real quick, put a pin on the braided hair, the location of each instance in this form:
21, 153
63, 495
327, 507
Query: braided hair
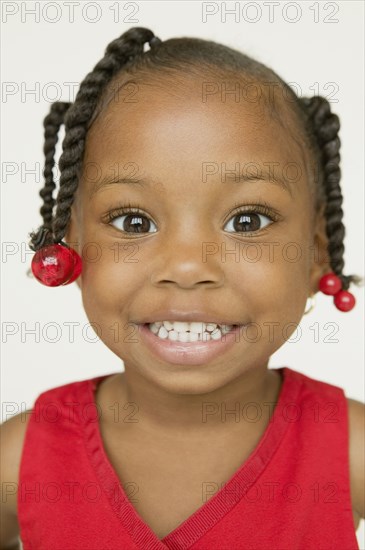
125, 54
75, 118
322, 128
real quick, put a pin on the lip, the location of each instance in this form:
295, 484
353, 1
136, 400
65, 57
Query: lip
187, 353
192, 315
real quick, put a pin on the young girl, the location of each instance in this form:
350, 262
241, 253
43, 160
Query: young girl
199, 207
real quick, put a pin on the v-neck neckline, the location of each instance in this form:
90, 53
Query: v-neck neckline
214, 509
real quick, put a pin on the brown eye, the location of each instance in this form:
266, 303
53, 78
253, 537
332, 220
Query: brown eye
247, 222
132, 223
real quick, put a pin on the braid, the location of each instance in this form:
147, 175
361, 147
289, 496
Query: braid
76, 118
324, 127
52, 124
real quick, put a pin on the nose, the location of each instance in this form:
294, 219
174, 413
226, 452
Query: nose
187, 265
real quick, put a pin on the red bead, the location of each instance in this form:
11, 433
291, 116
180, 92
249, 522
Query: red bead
330, 284
53, 265
77, 266
344, 301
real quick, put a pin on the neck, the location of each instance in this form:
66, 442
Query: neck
249, 399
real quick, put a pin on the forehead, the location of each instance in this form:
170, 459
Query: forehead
169, 123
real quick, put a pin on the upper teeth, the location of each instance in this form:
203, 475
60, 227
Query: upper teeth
193, 327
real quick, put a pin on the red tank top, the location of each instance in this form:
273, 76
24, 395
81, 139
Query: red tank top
291, 493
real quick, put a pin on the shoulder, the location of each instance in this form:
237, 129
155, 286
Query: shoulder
356, 416
12, 436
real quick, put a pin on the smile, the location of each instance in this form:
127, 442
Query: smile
177, 331
184, 343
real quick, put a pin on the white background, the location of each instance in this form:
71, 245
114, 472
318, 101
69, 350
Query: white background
37, 53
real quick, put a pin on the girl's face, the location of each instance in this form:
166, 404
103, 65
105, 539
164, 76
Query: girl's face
191, 246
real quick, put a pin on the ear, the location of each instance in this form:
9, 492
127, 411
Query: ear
72, 238
320, 263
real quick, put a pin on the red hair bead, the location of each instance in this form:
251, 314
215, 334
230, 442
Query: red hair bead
77, 266
330, 284
56, 265
344, 301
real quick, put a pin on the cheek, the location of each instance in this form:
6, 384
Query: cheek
112, 277
273, 293
272, 279
112, 274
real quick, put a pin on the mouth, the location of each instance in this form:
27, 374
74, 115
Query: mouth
192, 344
194, 331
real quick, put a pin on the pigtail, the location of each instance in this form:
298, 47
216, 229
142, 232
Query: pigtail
52, 124
325, 126
76, 118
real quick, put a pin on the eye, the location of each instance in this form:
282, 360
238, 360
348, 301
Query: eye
130, 220
249, 221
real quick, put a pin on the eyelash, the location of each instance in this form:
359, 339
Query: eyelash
262, 208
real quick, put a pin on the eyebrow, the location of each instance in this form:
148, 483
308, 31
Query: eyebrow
112, 180
264, 176
229, 176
